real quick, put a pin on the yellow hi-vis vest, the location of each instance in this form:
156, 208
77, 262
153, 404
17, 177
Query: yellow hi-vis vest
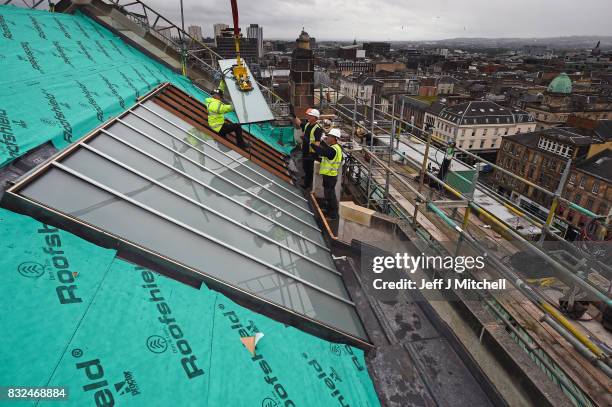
330, 167
216, 113
309, 132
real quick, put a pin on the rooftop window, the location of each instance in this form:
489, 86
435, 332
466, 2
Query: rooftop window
171, 193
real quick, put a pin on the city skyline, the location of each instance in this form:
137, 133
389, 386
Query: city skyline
435, 20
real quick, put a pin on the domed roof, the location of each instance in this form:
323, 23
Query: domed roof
561, 84
304, 36
303, 41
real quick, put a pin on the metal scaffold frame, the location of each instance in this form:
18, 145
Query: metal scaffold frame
194, 52
375, 176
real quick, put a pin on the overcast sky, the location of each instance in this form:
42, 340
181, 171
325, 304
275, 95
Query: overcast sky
401, 20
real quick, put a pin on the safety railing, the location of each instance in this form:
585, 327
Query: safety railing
370, 118
34, 4
194, 53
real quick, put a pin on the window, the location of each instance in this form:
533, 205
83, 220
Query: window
484, 132
582, 182
595, 187
603, 209
482, 143
589, 204
530, 172
572, 178
577, 199
132, 159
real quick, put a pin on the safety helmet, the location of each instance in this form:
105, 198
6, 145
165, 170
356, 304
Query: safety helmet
313, 112
334, 133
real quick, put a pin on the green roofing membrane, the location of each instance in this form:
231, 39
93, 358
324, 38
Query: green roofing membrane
63, 75
117, 334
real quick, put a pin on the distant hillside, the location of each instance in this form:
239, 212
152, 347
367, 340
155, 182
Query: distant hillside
571, 42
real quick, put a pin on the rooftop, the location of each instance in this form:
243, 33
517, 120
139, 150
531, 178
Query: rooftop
561, 84
566, 135
600, 165
483, 112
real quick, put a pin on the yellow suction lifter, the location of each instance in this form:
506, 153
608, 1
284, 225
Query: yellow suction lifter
239, 71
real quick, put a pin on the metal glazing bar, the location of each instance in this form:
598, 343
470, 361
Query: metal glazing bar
216, 160
210, 145
196, 231
192, 178
205, 207
217, 175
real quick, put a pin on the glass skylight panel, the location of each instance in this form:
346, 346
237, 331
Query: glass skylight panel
152, 181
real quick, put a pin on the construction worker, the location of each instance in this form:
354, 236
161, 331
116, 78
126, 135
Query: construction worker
448, 157
331, 159
216, 118
312, 133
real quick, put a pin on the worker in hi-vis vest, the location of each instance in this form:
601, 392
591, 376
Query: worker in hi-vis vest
312, 133
448, 157
331, 159
216, 118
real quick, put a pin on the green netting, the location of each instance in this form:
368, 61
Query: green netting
63, 75
138, 338
461, 180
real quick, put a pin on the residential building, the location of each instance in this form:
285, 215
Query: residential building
478, 126
348, 67
590, 186
374, 49
217, 28
445, 85
226, 46
390, 66
195, 31
352, 52
559, 102
427, 87
361, 87
541, 157
255, 31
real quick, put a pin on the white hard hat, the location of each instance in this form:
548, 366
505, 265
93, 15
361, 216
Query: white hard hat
335, 133
313, 112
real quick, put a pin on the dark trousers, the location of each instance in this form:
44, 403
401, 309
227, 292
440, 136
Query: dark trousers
232, 127
329, 192
444, 169
308, 166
